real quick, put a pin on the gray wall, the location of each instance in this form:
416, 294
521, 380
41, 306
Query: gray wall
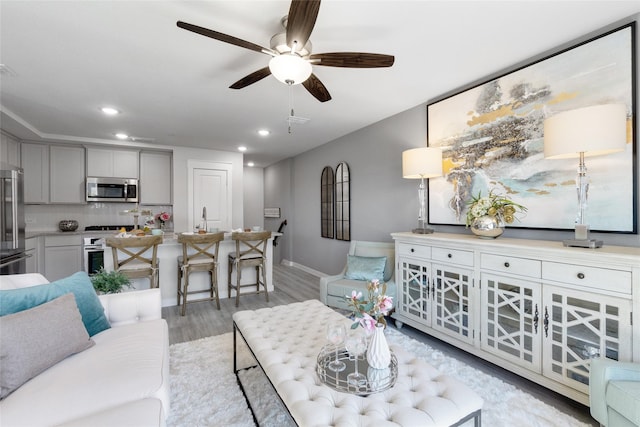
253, 197
277, 184
382, 201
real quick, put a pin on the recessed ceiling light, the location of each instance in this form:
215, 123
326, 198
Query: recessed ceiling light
263, 132
122, 136
110, 111
242, 148
251, 164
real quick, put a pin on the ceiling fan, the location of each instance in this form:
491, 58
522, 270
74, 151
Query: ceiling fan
292, 60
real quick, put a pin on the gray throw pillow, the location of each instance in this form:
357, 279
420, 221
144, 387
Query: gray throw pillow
33, 340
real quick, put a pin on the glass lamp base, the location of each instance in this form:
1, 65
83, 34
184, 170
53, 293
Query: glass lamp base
583, 243
422, 230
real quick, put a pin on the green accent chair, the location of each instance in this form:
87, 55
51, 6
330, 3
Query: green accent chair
614, 392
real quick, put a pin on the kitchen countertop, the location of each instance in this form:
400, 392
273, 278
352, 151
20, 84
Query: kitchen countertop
169, 236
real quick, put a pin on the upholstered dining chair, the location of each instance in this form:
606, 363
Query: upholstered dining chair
199, 253
251, 251
132, 258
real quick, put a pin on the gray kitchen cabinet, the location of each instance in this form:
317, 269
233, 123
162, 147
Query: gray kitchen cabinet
155, 178
53, 173
62, 256
35, 162
9, 149
67, 174
112, 163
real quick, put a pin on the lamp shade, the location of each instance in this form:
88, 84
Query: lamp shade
290, 68
595, 130
424, 162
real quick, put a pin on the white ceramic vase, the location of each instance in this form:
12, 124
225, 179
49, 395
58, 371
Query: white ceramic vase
378, 353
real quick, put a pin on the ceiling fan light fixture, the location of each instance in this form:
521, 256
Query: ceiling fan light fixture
290, 68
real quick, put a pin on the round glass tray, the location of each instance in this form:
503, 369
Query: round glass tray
377, 379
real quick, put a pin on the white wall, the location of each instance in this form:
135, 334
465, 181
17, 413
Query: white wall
253, 197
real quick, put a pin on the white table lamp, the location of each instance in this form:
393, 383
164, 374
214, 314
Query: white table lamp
421, 163
589, 131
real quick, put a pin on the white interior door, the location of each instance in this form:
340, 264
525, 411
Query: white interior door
210, 188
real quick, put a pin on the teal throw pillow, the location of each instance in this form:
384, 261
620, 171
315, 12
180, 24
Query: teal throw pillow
16, 300
365, 268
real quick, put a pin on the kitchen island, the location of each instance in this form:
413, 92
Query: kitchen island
168, 253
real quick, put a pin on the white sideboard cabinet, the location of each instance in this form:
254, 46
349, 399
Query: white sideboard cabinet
534, 307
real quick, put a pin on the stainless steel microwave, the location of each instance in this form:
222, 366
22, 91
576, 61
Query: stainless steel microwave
112, 190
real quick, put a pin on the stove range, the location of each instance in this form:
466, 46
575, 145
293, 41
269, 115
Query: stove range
108, 227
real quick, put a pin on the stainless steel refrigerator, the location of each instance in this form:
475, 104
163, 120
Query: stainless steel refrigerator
12, 255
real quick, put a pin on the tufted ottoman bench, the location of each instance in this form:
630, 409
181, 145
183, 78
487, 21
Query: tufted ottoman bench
286, 340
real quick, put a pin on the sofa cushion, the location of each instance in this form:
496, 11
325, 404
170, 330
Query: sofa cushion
128, 363
365, 268
141, 413
15, 300
624, 398
33, 340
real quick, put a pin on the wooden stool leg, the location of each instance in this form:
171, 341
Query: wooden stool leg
214, 282
185, 290
264, 282
229, 278
179, 284
238, 278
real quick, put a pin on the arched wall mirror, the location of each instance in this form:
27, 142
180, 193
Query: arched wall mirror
343, 205
327, 206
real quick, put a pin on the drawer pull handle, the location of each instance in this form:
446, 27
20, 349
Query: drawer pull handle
413, 250
536, 318
506, 264
449, 256
580, 275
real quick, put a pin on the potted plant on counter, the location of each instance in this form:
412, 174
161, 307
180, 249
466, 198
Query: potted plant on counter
109, 282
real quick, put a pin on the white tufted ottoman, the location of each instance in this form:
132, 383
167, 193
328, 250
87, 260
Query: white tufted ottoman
286, 340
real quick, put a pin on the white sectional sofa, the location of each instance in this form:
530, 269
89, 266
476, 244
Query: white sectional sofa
122, 380
363, 258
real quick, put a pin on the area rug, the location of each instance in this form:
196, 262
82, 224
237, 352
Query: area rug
204, 391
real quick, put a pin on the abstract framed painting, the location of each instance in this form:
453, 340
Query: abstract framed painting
491, 135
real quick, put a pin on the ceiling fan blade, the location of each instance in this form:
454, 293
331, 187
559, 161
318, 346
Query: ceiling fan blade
352, 60
300, 21
251, 78
316, 88
222, 37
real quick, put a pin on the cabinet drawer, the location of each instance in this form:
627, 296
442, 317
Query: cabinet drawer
407, 249
62, 240
592, 277
453, 255
508, 264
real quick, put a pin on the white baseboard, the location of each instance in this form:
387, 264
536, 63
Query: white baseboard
303, 268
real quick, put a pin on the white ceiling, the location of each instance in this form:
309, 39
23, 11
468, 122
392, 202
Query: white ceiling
68, 58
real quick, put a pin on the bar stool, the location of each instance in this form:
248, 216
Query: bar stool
199, 253
135, 263
251, 251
